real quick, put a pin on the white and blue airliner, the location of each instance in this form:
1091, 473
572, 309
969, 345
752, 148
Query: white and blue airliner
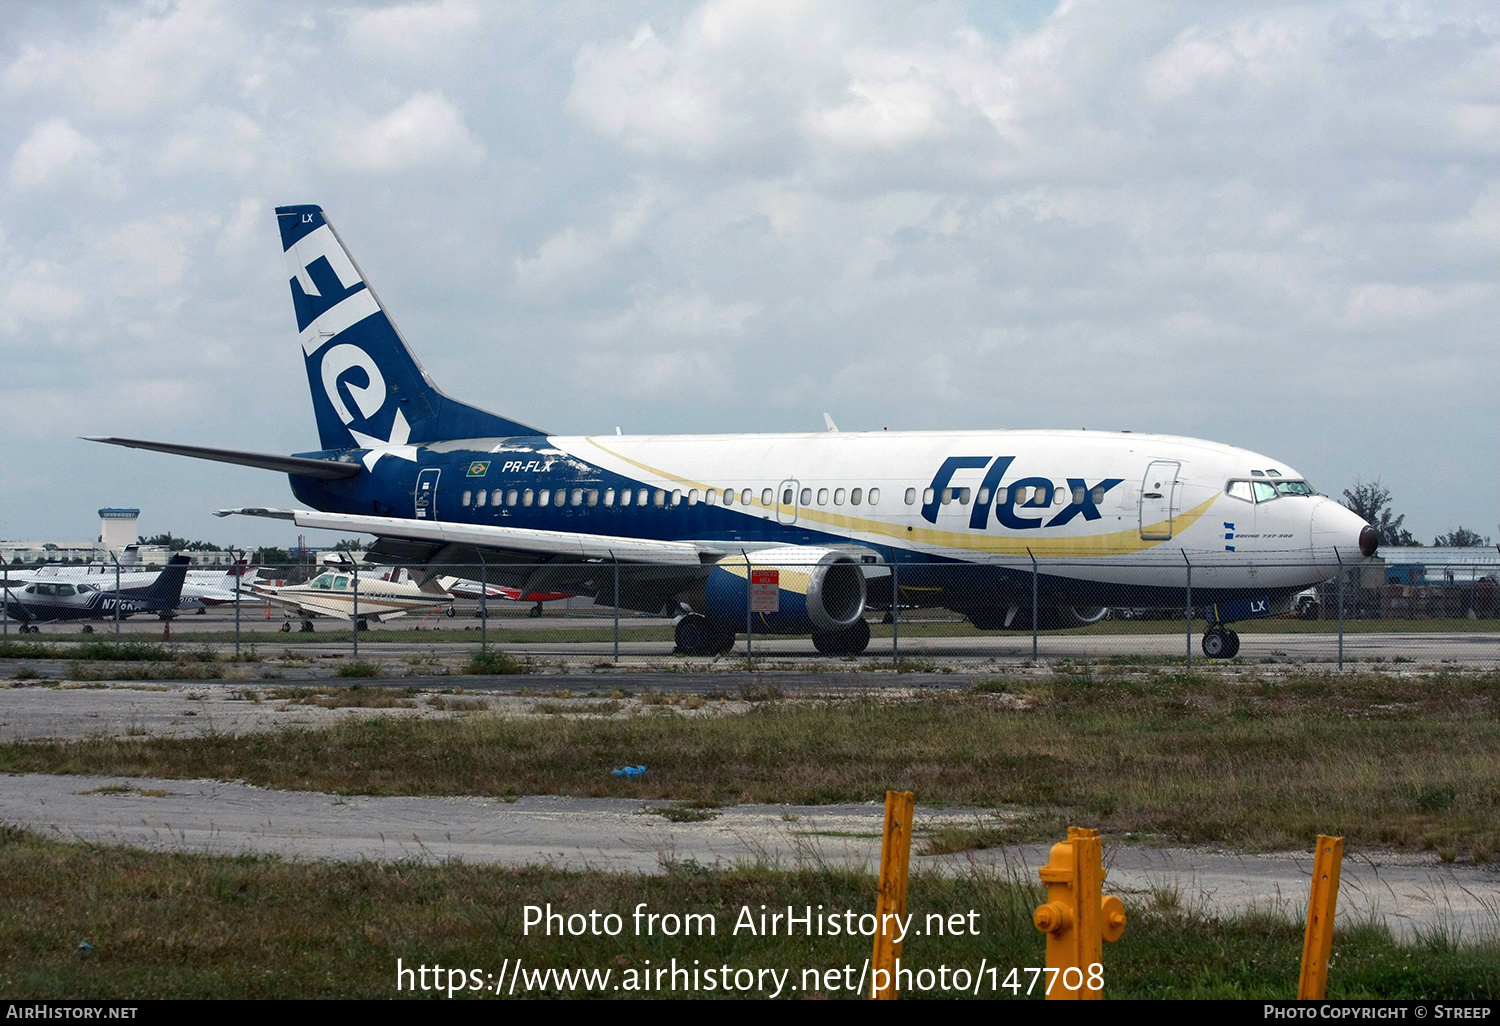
964, 518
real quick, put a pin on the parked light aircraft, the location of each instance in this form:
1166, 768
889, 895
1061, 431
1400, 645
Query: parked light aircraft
50, 599
201, 590
963, 517
374, 596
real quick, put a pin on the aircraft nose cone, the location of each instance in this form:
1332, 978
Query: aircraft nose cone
1369, 541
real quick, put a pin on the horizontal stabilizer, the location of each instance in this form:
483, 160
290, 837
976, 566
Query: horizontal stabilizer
325, 470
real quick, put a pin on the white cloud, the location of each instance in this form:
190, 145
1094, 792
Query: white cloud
139, 60
213, 139
39, 294
425, 130
417, 32
147, 255
53, 155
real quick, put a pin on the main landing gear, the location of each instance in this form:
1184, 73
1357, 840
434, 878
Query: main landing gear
850, 641
1219, 642
696, 635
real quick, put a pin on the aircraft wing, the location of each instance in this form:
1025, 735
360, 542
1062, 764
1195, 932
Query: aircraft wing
565, 545
649, 571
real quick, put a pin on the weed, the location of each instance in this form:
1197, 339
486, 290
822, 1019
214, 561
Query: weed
361, 668
492, 661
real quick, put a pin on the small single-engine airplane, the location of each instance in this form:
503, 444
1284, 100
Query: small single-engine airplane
345, 594
1011, 528
56, 598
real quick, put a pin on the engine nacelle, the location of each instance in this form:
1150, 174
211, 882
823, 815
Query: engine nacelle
821, 591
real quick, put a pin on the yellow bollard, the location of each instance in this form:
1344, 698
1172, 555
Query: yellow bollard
1077, 918
1317, 944
895, 856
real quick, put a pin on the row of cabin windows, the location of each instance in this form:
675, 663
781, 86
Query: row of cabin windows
1024, 496
661, 497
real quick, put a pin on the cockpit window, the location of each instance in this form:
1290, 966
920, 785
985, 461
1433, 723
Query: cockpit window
324, 582
1265, 491
1239, 490
1294, 488
342, 584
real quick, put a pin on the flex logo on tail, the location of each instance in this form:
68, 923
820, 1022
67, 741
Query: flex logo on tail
336, 312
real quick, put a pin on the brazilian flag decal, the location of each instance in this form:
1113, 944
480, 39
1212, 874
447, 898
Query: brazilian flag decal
479, 468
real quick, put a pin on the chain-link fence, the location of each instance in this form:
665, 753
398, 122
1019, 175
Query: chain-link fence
1188, 609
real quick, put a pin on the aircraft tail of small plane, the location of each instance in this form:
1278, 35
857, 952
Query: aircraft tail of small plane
166, 591
368, 389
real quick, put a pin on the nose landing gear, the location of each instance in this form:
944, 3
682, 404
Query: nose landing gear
1219, 642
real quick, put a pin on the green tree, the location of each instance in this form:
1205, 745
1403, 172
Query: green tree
269, 555
350, 545
1461, 538
1373, 502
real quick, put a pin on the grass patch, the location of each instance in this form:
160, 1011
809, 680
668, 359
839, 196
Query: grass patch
165, 926
361, 668
352, 697
492, 661
1263, 763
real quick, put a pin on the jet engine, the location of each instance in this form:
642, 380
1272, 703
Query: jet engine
822, 591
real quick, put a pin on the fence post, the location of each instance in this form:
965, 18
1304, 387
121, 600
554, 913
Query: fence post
895, 613
749, 619
617, 606
355, 623
1341, 606
1317, 943
1034, 611
117, 595
484, 605
237, 577
895, 856
1189, 563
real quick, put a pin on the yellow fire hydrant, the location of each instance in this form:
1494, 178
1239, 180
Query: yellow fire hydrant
1077, 918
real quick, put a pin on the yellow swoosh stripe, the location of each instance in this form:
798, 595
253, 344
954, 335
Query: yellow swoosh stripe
1115, 543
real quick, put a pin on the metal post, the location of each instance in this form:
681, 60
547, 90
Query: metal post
356, 610
1341, 607
617, 607
5, 606
239, 574
1189, 563
117, 596
895, 613
484, 604
749, 619
1034, 657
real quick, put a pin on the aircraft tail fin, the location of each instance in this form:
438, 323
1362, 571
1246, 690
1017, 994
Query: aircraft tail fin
166, 591
367, 387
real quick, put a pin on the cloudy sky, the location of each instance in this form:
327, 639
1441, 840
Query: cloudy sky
1275, 226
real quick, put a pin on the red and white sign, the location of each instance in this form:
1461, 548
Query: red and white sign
765, 591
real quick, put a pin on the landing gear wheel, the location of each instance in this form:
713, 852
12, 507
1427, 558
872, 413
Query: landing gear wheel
286, 626
695, 635
88, 628
1221, 643
536, 611
307, 627
848, 642
451, 612
361, 625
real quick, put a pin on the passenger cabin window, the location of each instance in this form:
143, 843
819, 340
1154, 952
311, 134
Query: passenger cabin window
341, 584
640, 497
874, 496
729, 496
527, 497
927, 496
984, 496
65, 590
625, 497
855, 495
676, 496
692, 496
593, 496
806, 496
1078, 491
1098, 495
948, 494
660, 498
911, 496
510, 498
822, 496
1265, 491
838, 496
578, 496
765, 497
1239, 490
468, 496
544, 497
609, 496
481, 498
711, 496
561, 497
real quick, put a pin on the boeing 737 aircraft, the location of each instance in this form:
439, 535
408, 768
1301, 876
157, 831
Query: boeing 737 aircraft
963, 517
